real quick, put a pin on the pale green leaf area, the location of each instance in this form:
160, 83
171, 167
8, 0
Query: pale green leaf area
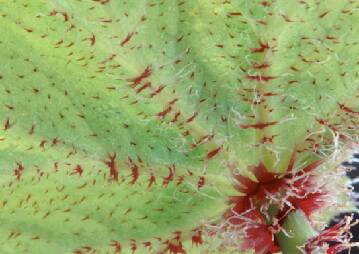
65, 213
164, 83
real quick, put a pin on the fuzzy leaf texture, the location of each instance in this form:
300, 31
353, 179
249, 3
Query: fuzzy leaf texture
122, 120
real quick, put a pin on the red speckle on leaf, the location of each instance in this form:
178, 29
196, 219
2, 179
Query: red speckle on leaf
176, 116
84, 250
152, 180
53, 13
147, 245
169, 177
180, 180
127, 39
77, 170
262, 22
186, 133
260, 78
55, 141
110, 58
59, 42
234, 14
261, 66
157, 91
128, 211
18, 170
265, 3
56, 166
32, 130
133, 246
174, 246
134, 169
197, 237
111, 163
7, 124
117, 246
201, 182
258, 125
102, 1
64, 14
190, 119
163, 113
173, 101
286, 18
263, 47
203, 139
270, 94
323, 14
145, 74
139, 159
69, 45
328, 37
93, 40
42, 144
293, 81
104, 20
347, 109
268, 140
9, 107
213, 153
143, 87
167, 110
179, 39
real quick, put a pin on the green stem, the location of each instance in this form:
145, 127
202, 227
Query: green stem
298, 231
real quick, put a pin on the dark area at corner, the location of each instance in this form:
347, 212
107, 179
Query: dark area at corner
353, 173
